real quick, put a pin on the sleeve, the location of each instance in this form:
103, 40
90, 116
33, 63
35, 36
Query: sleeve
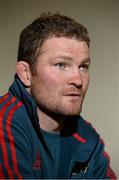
15, 148
102, 169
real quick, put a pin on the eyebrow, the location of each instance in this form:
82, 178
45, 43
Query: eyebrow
68, 58
87, 60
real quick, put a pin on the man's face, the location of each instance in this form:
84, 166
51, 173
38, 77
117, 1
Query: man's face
62, 76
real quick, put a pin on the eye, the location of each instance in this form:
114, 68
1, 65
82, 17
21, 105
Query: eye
84, 67
61, 65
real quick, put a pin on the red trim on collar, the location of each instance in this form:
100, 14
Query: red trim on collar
79, 138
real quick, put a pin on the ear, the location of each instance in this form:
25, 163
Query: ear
24, 72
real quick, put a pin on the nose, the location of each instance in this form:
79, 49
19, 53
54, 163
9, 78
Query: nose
76, 79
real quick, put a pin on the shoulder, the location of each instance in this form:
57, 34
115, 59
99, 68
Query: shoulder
8, 106
92, 151
87, 137
14, 120
87, 130
11, 108
18, 147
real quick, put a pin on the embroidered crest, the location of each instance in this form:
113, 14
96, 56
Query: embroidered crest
37, 163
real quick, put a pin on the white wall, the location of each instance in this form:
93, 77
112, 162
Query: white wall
101, 17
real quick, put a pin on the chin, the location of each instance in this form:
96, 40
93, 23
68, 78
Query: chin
73, 112
73, 109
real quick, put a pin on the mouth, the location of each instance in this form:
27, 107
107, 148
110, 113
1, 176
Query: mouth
73, 94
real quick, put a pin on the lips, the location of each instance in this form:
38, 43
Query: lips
73, 94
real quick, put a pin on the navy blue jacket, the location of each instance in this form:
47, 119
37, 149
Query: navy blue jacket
24, 153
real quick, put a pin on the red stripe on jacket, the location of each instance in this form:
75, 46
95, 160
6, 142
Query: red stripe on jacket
11, 139
109, 172
3, 98
2, 140
1, 173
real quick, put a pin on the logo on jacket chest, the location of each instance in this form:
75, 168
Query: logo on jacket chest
37, 163
80, 167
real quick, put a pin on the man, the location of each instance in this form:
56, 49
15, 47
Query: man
42, 132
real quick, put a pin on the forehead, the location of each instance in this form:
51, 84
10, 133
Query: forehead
64, 45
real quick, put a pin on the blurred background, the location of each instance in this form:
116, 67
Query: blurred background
101, 17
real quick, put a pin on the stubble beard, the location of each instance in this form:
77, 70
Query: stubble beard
51, 106
62, 109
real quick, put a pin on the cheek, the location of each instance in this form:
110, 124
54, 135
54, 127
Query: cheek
48, 82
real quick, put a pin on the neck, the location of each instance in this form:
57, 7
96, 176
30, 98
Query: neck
50, 123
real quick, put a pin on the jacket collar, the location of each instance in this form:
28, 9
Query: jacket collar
18, 89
